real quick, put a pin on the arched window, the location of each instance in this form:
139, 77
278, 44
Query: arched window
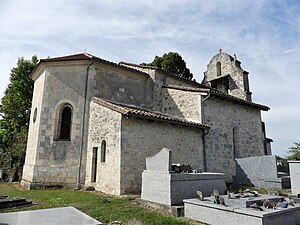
218, 69
103, 151
65, 123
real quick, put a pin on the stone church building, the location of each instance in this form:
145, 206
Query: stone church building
94, 122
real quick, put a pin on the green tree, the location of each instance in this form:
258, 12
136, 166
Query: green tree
294, 152
173, 63
16, 102
15, 110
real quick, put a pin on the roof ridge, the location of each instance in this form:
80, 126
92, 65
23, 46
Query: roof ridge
67, 56
88, 54
139, 65
160, 69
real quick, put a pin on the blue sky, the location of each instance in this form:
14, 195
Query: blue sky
264, 34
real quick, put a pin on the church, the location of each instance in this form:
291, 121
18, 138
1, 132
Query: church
94, 122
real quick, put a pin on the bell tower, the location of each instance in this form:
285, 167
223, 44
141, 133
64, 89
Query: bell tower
225, 74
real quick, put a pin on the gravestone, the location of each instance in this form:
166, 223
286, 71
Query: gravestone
160, 161
295, 176
55, 216
242, 209
163, 186
258, 171
7, 202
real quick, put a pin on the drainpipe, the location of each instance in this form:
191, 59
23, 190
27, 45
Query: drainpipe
83, 124
204, 134
206, 97
204, 150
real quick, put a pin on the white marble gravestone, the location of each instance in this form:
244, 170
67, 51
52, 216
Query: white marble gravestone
295, 176
54, 216
163, 186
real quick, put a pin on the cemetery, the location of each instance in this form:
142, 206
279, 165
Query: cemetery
203, 193
190, 192
110, 141
244, 209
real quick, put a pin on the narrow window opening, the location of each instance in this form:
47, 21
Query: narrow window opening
218, 69
263, 126
234, 142
34, 114
65, 122
94, 164
103, 151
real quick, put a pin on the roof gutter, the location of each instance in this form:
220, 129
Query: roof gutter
209, 93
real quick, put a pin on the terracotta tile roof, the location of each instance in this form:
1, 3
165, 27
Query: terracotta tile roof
140, 66
202, 88
159, 69
80, 56
86, 56
221, 94
215, 92
124, 65
134, 111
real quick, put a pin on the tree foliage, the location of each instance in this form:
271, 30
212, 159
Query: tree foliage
15, 110
294, 152
173, 63
16, 103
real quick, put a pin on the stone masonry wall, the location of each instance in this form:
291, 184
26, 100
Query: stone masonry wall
51, 161
34, 128
157, 90
236, 132
180, 103
120, 86
143, 138
105, 124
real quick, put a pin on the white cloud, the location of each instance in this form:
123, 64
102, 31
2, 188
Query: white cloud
264, 34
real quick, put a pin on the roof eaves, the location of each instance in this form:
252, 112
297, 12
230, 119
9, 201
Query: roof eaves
221, 94
183, 122
269, 140
133, 111
202, 88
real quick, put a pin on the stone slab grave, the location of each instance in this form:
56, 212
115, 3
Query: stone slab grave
54, 216
163, 186
260, 171
295, 179
7, 202
243, 210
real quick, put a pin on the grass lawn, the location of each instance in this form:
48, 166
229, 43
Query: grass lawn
101, 207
